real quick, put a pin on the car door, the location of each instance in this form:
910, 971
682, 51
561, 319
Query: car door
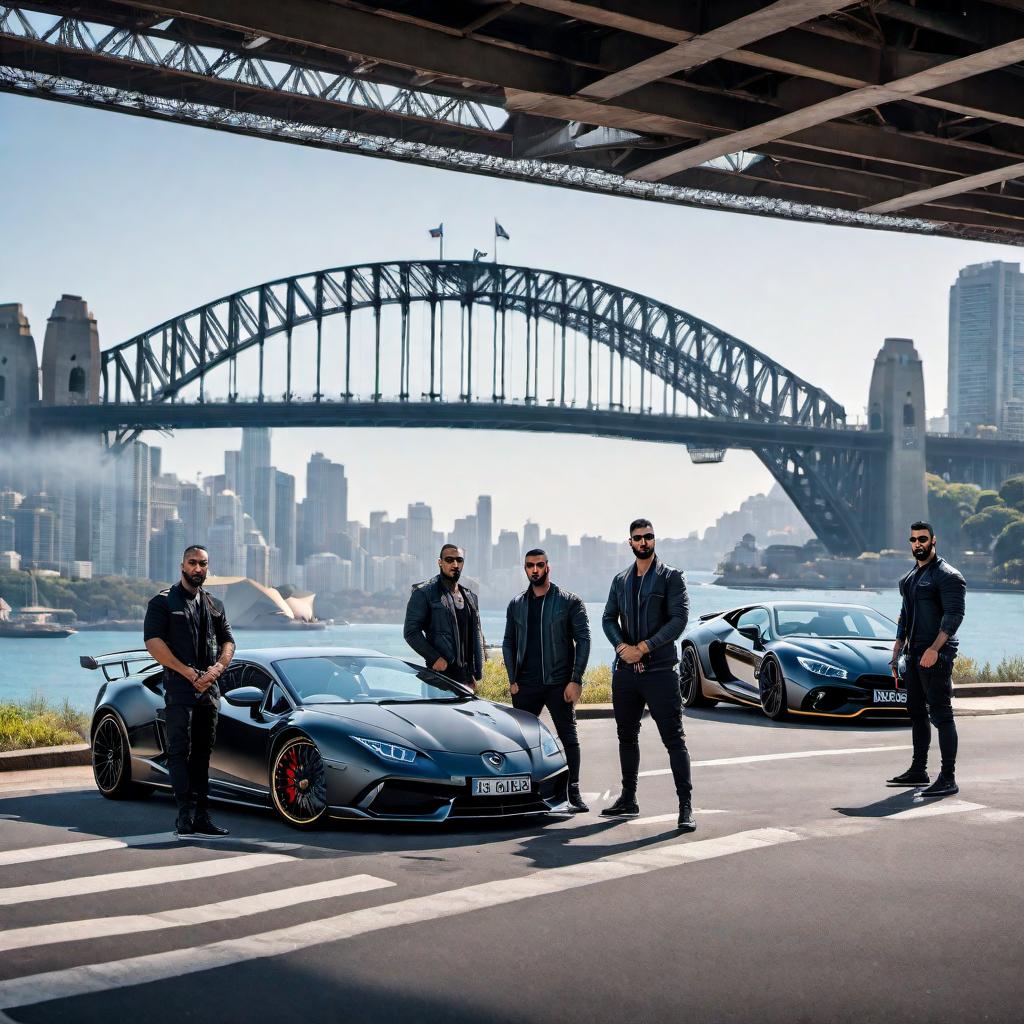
742, 654
239, 759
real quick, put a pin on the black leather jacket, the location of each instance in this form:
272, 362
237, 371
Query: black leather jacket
938, 604
167, 620
664, 609
565, 640
432, 630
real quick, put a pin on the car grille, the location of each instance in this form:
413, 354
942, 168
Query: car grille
410, 799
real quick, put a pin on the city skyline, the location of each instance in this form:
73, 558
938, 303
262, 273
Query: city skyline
795, 291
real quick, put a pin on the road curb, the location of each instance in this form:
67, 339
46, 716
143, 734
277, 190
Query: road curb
44, 757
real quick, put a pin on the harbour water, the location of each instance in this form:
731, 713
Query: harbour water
993, 629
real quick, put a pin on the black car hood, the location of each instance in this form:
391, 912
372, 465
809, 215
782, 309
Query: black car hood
467, 728
858, 657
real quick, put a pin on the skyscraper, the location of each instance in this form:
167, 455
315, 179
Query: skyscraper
484, 533
420, 536
325, 507
132, 511
284, 523
264, 502
986, 349
255, 456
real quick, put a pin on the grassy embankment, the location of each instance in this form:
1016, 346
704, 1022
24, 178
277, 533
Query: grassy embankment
37, 723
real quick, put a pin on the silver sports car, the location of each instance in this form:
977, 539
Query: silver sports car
333, 732
790, 658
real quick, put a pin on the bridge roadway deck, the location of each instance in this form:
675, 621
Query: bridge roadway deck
540, 417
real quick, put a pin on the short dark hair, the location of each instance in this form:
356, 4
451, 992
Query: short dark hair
536, 552
922, 525
640, 522
445, 547
191, 548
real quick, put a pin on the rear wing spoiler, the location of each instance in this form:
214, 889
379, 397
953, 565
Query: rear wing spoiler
710, 615
117, 665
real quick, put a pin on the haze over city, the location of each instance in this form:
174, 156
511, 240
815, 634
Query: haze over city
219, 213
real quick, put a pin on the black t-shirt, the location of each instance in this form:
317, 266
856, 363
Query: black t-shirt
918, 635
531, 673
462, 618
195, 610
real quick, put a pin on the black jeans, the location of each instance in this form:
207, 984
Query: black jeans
563, 715
929, 691
191, 732
659, 691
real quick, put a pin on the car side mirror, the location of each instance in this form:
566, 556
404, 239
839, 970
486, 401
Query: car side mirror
245, 697
752, 633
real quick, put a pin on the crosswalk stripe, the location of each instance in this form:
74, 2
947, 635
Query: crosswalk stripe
246, 906
935, 809
787, 756
138, 878
657, 819
32, 854
101, 977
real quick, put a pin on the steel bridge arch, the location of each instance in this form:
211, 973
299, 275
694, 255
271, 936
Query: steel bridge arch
684, 355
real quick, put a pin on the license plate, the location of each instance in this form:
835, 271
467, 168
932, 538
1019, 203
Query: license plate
501, 787
890, 696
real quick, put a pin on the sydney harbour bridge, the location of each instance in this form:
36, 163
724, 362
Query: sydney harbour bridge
458, 344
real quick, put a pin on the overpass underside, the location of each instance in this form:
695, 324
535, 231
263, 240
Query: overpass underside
895, 115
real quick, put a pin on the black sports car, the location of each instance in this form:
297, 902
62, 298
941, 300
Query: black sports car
827, 660
333, 732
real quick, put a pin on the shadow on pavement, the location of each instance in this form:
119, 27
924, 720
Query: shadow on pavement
901, 801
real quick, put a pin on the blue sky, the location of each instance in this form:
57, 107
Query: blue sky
146, 220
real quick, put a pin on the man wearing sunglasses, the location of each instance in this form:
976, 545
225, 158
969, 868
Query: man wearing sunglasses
442, 622
934, 596
546, 647
645, 615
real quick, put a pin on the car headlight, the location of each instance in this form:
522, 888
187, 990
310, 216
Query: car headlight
823, 668
388, 751
548, 744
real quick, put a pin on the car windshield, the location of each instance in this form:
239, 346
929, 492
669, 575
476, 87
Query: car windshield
836, 621
350, 679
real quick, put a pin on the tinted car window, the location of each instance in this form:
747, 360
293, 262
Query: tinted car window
835, 621
754, 617
341, 679
276, 702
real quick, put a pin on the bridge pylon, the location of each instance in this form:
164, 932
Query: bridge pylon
896, 490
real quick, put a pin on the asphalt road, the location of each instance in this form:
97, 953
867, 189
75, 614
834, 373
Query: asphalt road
810, 892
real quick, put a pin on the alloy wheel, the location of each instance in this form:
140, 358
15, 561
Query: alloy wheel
108, 756
299, 783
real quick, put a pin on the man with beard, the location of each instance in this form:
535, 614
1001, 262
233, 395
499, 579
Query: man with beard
187, 632
546, 647
442, 622
645, 615
934, 597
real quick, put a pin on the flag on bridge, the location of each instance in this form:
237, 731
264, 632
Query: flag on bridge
478, 255
438, 232
500, 232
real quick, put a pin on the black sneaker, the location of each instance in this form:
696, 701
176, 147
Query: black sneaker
183, 827
911, 777
576, 802
944, 785
686, 822
624, 807
205, 829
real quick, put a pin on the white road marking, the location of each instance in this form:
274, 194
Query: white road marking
590, 797
137, 879
115, 974
657, 819
752, 758
31, 854
931, 810
260, 903
997, 815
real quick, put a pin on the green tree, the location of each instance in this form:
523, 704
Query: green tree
983, 528
948, 506
1009, 546
1012, 491
986, 500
